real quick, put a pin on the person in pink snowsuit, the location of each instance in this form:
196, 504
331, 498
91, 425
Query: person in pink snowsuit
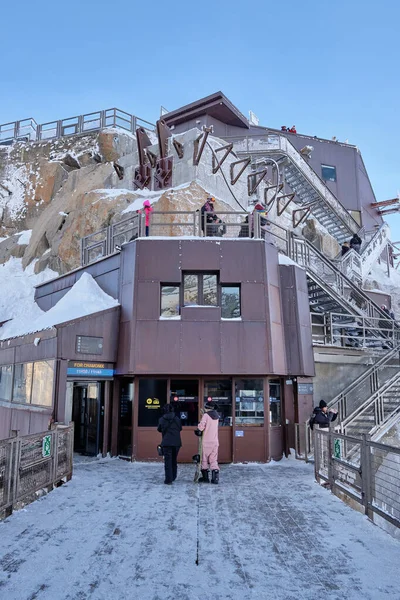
147, 211
209, 459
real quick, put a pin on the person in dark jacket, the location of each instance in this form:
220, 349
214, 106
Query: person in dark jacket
323, 416
170, 427
345, 248
355, 243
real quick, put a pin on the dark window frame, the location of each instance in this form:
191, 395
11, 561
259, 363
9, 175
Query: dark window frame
176, 285
231, 285
323, 166
200, 289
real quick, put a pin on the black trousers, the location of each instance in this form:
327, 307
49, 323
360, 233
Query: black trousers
170, 462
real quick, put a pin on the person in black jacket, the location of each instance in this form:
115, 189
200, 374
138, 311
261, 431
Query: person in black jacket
345, 248
323, 416
355, 243
170, 427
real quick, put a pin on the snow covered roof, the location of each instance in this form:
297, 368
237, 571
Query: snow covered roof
83, 299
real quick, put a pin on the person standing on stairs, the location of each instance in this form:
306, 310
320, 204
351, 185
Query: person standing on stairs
345, 248
208, 428
355, 243
322, 416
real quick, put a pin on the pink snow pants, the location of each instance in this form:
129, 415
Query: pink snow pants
210, 457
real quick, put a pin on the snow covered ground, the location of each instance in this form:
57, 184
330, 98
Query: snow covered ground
267, 531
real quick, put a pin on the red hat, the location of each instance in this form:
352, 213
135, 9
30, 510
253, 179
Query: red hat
259, 207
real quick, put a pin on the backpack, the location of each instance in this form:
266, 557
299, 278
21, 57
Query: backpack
311, 422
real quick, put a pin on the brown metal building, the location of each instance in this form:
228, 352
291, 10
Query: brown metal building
199, 318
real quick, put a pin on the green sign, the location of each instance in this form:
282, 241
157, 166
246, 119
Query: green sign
46, 446
336, 448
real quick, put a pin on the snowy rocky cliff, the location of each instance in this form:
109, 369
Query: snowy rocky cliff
53, 193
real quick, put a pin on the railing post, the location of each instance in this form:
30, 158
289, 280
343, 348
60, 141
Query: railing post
331, 328
316, 454
331, 475
366, 476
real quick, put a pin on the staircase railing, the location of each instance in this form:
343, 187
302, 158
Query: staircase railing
349, 399
318, 184
275, 143
306, 255
357, 266
375, 402
347, 330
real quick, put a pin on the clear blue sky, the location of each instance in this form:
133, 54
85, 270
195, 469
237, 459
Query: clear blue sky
332, 68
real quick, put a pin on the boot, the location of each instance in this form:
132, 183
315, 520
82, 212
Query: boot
215, 476
205, 476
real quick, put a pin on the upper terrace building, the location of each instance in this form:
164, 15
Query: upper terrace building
256, 316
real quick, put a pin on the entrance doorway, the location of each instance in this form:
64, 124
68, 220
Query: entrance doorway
87, 414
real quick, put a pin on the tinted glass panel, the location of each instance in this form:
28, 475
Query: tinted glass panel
249, 401
230, 302
42, 388
152, 397
275, 402
185, 398
220, 391
190, 290
328, 173
6, 382
170, 300
22, 383
209, 290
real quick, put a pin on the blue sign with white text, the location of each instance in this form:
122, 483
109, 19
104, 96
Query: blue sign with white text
90, 372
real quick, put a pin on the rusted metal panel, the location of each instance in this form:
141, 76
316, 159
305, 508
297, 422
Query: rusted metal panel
250, 446
28, 352
271, 260
244, 348
7, 355
5, 422
201, 313
242, 261
253, 301
158, 260
104, 324
274, 303
204, 255
148, 300
125, 361
276, 443
296, 318
277, 344
20, 421
157, 347
200, 348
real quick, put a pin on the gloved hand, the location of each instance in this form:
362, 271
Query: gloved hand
198, 432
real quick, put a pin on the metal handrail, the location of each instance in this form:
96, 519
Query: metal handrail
375, 398
110, 117
281, 143
340, 400
361, 329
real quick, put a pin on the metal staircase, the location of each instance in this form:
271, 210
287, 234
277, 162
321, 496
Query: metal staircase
311, 191
358, 266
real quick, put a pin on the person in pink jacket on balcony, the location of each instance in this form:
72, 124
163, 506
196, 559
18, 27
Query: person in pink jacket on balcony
208, 429
147, 211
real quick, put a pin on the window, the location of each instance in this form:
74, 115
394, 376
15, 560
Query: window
170, 301
230, 302
249, 401
275, 403
152, 398
42, 388
22, 383
220, 391
6, 373
184, 396
200, 289
328, 173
